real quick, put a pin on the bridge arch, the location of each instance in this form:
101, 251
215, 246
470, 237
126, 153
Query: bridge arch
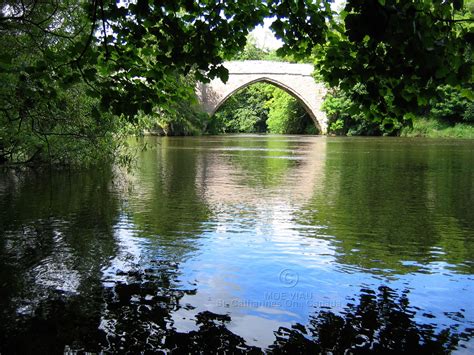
278, 84
295, 79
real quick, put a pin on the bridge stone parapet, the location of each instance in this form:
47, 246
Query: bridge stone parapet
294, 78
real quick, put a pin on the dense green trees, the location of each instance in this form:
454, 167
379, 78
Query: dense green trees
345, 116
287, 116
390, 59
245, 111
447, 108
399, 51
451, 105
261, 108
74, 74
47, 112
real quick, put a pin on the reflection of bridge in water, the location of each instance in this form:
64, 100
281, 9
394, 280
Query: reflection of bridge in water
305, 175
296, 79
233, 176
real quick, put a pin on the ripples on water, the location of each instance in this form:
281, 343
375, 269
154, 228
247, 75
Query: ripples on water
244, 244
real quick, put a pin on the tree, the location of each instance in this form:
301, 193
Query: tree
287, 116
49, 111
251, 51
451, 105
244, 112
400, 51
125, 56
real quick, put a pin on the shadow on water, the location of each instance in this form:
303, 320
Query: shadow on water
134, 316
379, 321
56, 233
87, 268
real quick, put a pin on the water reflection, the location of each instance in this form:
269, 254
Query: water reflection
379, 321
245, 171
52, 247
387, 203
244, 244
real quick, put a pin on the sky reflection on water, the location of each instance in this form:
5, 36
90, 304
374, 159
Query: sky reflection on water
260, 241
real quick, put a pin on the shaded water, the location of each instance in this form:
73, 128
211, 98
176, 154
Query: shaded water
244, 243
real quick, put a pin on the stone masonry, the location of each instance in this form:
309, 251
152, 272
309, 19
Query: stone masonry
295, 79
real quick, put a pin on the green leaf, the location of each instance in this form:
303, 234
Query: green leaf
409, 116
467, 93
223, 74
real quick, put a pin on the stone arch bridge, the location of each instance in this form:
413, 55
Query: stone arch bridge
295, 79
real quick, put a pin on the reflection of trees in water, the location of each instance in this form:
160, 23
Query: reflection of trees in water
386, 202
134, 311
135, 316
56, 233
381, 322
164, 202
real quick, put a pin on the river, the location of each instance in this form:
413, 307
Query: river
244, 243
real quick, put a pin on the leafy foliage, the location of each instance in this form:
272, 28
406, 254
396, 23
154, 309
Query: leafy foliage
244, 112
252, 51
469, 113
448, 108
450, 105
178, 118
346, 117
129, 59
287, 116
399, 51
48, 110
153, 42
260, 108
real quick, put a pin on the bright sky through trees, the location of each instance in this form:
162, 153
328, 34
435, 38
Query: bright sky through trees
267, 40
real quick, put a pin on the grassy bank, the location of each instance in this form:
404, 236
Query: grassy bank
437, 129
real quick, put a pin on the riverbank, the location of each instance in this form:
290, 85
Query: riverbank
436, 129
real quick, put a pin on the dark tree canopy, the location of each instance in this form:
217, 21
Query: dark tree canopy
142, 56
400, 52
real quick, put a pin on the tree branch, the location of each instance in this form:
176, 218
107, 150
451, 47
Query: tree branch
91, 34
107, 54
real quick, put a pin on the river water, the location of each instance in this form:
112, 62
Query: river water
244, 244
